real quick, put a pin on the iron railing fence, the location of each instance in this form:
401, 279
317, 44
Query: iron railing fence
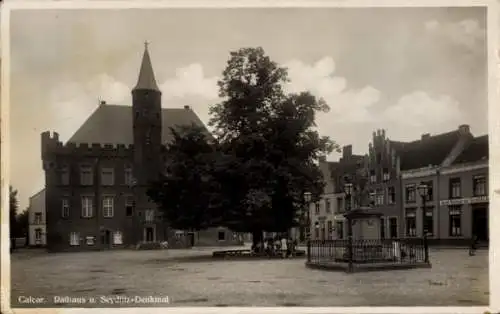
401, 250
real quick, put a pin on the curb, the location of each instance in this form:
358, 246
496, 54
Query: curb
357, 268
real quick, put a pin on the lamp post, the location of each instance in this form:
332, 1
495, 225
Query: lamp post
348, 187
423, 190
307, 199
372, 198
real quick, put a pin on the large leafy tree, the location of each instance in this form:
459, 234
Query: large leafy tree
186, 191
254, 177
271, 136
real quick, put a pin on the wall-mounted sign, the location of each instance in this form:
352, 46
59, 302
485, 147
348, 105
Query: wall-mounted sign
322, 218
462, 201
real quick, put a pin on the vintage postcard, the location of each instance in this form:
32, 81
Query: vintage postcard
299, 156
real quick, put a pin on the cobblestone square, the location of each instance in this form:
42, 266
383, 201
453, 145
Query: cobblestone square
192, 278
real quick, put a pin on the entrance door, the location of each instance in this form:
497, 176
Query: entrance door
149, 234
480, 223
106, 239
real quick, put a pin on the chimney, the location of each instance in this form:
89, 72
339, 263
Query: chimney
186, 107
464, 129
425, 136
347, 152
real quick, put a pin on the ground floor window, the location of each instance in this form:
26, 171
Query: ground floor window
411, 223
117, 237
316, 231
382, 228
90, 240
329, 225
38, 234
74, 238
455, 216
221, 236
340, 230
429, 221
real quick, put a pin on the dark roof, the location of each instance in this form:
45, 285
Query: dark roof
112, 124
432, 150
477, 150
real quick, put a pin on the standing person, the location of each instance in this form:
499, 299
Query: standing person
295, 245
473, 246
284, 246
277, 244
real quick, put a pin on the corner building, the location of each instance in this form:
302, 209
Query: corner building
96, 183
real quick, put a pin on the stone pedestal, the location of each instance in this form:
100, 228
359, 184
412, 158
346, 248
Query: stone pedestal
365, 223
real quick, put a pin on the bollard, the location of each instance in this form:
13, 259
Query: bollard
308, 250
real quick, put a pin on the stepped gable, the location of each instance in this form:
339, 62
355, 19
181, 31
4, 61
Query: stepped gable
431, 150
113, 124
477, 150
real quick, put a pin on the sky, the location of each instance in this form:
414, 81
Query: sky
406, 70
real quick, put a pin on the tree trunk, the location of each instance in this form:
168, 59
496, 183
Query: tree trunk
257, 238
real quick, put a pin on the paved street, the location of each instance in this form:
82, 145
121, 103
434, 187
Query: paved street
455, 279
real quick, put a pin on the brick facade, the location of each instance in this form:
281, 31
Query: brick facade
384, 184
96, 183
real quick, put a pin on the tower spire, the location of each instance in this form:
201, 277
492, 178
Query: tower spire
146, 79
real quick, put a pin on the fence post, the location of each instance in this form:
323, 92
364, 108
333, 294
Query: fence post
350, 253
426, 249
308, 250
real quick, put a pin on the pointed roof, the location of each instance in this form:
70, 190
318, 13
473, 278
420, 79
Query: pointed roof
146, 74
112, 124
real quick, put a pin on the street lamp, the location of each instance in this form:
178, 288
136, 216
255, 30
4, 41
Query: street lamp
423, 190
348, 188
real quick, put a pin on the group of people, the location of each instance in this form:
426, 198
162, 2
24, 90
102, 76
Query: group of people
279, 245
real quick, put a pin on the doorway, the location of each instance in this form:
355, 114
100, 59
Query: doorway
149, 234
480, 223
106, 239
190, 241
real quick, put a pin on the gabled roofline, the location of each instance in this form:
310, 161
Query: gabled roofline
37, 193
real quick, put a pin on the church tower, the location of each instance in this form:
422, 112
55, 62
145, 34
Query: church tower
147, 123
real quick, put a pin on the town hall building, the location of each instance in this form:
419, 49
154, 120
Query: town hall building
96, 183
